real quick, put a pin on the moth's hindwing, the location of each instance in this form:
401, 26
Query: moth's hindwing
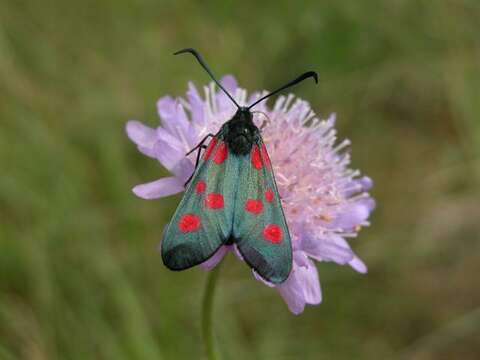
259, 225
203, 219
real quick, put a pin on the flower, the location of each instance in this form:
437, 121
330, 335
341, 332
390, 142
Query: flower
325, 202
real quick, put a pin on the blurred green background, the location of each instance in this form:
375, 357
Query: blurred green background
80, 276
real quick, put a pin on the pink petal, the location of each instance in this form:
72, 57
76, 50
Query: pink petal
369, 203
183, 170
331, 248
359, 185
173, 117
302, 287
366, 182
253, 97
165, 136
259, 278
229, 83
293, 296
300, 258
237, 252
159, 188
223, 101
143, 136
215, 259
196, 105
167, 155
354, 214
358, 265
311, 285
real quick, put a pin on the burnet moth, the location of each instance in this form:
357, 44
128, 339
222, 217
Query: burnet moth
232, 199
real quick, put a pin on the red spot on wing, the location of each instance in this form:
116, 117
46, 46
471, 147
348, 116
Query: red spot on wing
265, 157
209, 149
214, 201
189, 223
221, 154
254, 206
273, 233
269, 195
200, 187
256, 158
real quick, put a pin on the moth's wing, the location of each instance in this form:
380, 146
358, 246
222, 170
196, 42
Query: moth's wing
259, 225
203, 219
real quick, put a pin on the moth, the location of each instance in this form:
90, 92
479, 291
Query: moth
232, 198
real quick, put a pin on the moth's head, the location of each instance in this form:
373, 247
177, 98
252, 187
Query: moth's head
243, 114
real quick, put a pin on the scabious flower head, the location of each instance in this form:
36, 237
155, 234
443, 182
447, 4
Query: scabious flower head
325, 202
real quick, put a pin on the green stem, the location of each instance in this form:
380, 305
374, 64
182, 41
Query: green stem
207, 318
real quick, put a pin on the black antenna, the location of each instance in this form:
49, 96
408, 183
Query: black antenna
291, 83
202, 62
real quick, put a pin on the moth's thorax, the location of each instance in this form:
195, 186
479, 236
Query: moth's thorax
241, 132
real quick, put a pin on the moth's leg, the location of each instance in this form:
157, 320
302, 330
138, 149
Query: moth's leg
198, 155
200, 144
196, 163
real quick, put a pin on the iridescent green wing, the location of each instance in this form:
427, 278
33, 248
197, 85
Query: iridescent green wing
259, 225
203, 219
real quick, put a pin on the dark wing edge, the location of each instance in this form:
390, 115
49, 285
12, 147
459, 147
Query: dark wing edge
168, 258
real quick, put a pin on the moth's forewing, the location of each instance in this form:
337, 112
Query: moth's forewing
259, 225
203, 219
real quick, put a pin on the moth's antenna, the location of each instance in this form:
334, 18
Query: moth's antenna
205, 66
291, 83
